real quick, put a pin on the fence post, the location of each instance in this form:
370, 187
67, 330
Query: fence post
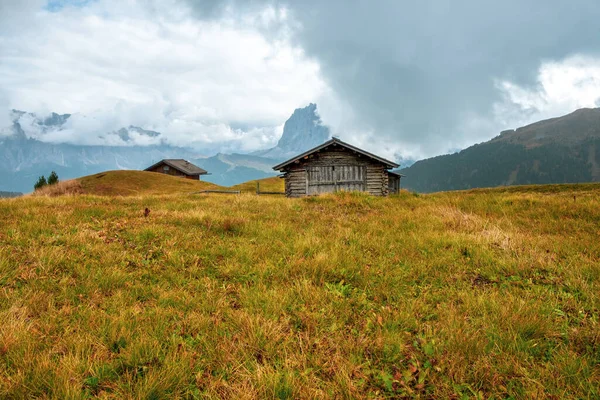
257, 187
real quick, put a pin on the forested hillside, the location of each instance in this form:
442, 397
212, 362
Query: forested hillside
561, 150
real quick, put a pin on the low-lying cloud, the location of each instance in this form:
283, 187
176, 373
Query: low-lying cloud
424, 74
151, 65
402, 79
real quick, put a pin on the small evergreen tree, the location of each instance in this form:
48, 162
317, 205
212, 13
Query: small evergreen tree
52, 178
40, 183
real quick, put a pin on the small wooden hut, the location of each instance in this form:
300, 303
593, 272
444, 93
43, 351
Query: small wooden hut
338, 166
394, 182
177, 167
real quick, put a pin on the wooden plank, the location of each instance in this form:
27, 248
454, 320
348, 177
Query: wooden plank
218, 191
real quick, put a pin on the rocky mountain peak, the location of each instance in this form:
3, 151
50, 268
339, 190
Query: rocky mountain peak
302, 131
55, 119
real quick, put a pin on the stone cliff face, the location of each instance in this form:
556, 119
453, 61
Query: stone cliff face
302, 131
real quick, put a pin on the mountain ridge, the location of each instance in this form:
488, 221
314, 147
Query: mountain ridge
570, 128
557, 150
24, 156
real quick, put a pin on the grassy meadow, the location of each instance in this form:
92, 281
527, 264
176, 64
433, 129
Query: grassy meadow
131, 183
126, 183
478, 294
273, 184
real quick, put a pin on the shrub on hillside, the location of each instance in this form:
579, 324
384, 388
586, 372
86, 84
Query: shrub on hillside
41, 182
70, 187
52, 178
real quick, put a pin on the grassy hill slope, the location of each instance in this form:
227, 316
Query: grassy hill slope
140, 182
127, 183
273, 184
474, 294
136, 183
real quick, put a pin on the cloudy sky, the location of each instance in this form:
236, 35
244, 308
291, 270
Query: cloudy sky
405, 79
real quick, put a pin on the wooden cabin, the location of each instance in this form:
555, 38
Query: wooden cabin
394, 182
338, 166
177, 167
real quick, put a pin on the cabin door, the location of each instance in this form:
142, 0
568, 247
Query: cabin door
320, 180
330, 178
393, 184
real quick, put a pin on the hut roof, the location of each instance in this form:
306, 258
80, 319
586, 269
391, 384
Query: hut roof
336, 141
180, 164
396, 174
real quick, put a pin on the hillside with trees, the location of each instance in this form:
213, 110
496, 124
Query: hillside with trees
560, 150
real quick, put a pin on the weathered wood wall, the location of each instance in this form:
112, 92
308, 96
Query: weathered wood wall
349, 171
173, 172
295, 182
394, 184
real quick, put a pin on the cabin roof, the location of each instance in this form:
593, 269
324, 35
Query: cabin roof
396, 174
332, 141
181, 165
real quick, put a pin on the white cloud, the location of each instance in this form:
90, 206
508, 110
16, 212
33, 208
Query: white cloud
149, 64
420, 75
15, 14
562, 87
99, 129
5, 119
227, 81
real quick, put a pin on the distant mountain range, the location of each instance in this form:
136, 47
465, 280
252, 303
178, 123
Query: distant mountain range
10, 194
558, 150
23, 158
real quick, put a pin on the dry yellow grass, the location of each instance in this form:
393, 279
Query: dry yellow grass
485, 294
132, 183
62, 188
274, 184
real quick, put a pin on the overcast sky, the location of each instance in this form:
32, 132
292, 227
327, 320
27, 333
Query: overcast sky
404, 79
